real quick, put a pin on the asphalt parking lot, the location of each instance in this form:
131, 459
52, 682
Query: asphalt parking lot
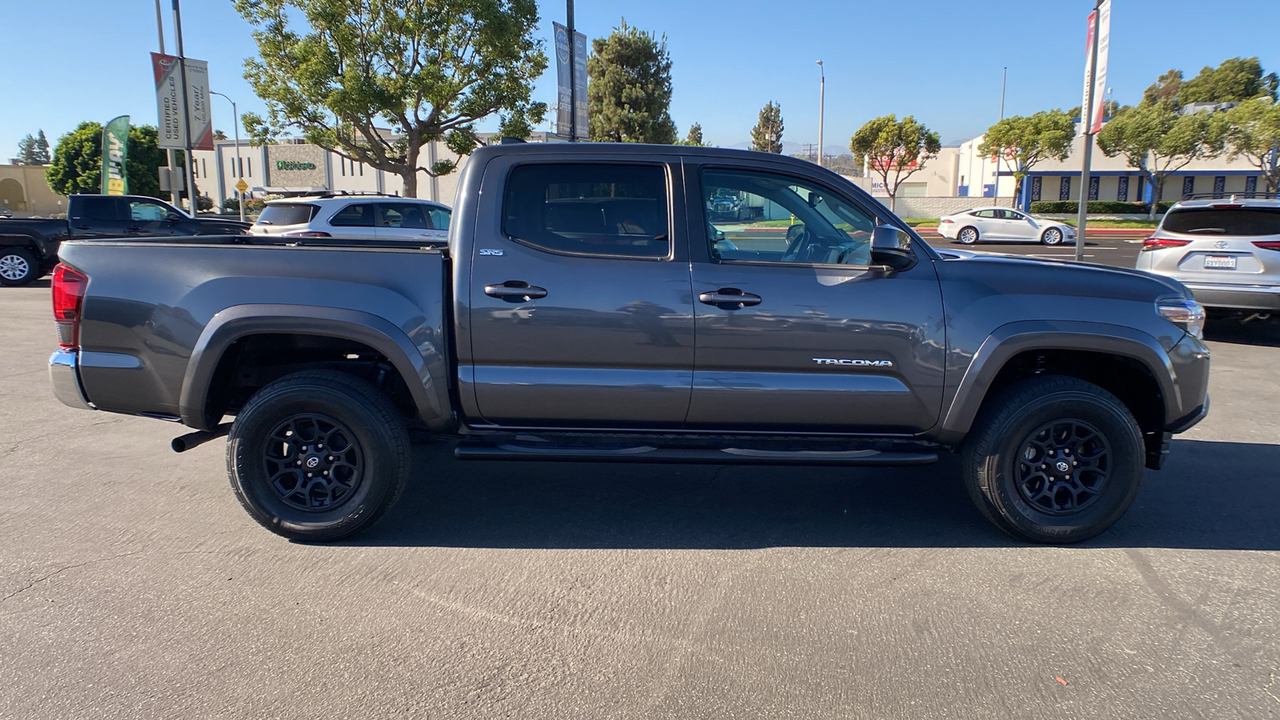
133, 586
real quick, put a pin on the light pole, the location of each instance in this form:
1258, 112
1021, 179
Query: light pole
822, 103
236, 121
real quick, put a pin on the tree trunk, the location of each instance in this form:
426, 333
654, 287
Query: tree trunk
410, 174
1157, 192
1017, 191
893, 201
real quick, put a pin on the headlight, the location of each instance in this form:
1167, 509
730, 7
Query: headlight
1185, 313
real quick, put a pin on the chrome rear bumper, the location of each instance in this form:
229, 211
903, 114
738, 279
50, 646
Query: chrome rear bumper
64, 374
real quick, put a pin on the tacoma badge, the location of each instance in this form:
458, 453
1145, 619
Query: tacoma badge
854, 362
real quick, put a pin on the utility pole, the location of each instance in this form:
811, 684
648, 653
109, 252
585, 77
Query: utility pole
573, 68
235, 116
1082, 215
822, 103
186, 111
168, 153
1004, 77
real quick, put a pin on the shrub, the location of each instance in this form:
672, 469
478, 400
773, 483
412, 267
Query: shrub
1107, 207
203, 202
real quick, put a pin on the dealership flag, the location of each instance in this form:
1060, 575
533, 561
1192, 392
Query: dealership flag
167, 71
115, 153
1094, 124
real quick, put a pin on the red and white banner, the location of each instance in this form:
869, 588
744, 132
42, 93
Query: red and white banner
169, 102
1098, 90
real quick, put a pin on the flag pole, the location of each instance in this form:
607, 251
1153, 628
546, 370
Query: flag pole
1082, 214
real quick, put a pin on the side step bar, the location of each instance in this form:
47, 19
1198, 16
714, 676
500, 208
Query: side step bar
469, 450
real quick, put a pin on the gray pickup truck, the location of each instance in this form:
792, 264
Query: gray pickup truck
588, 307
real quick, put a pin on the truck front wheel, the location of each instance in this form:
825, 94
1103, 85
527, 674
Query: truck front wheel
1054, 460
318, 456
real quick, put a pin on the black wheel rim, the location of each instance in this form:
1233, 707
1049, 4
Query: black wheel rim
1063, 467
313, 462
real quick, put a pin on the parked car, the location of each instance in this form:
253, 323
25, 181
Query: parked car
582, 312
992, 224
29, 247
1226, 252
364, 217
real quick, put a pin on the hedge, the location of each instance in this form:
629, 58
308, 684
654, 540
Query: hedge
1095, 206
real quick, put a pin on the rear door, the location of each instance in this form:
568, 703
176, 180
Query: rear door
580, 311
98, 216
356, 220
985, 221
796, 332
408, 221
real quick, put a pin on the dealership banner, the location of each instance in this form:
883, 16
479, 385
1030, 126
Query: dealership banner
1097, 90
170, 102
115, 154
580, 83
564, 76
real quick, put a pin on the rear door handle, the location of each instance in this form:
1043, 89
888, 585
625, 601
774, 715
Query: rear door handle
729, 299
515, 291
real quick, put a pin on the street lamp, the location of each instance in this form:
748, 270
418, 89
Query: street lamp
236, 122
822, 102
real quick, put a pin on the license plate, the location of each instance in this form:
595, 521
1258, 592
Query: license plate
1219, 262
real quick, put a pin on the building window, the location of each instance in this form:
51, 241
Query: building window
1219, 185
1036, 186
1251, 185
250, 166
1095, 183
1064, 188
361, 169
204, 169
342, 163
1188, 186
1122, 188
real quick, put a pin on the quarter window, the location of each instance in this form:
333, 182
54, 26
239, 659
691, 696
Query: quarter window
357, 215
589, 209
761, 217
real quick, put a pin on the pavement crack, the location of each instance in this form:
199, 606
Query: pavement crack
63, 569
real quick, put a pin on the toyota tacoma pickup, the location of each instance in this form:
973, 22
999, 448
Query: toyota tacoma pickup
29, 247
587, 308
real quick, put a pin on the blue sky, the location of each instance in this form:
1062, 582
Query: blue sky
940, 60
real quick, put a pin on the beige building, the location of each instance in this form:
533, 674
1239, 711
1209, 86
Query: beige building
24, 192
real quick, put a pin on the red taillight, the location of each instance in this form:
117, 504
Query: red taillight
1268, 244
308, 233
945, 221
1226, 206
1159, 243
68, 297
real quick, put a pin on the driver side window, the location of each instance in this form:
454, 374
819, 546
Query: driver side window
763, 217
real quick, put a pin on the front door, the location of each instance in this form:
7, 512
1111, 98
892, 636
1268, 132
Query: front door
581, 313
795, 331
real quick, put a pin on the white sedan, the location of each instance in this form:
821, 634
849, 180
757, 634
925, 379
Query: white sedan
1003, 224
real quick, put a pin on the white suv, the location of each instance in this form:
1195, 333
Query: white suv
364, 217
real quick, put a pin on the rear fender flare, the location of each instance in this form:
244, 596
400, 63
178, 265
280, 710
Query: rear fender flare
1015, 338
423, 368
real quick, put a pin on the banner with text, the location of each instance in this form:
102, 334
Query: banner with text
564, 76
170, 102
580, 83
1098, 88
115, 155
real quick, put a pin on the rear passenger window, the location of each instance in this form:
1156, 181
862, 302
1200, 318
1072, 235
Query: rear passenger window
589, 209
359, 215
101, 208
1251, 222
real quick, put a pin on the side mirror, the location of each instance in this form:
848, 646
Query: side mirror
892, 247
175, 218
719, 236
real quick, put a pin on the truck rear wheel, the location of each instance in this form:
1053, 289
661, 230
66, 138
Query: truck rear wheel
318, 456
1054, 460
18, 266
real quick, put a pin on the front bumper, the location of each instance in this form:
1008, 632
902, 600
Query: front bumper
64, 374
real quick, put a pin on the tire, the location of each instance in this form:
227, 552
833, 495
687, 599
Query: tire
968, 235
1051, 236
1032, 418
18, 266
365, 477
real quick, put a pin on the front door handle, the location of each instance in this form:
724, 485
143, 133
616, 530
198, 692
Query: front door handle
515, 291
729, 299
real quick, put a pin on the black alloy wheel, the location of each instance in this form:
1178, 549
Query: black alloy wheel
1063, 467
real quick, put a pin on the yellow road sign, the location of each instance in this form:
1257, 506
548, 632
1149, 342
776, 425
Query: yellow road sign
241, 185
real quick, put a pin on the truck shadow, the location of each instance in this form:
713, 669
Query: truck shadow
1212, 495
1259, 333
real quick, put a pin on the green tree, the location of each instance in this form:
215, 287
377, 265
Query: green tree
1165, 90
1252, 130
1158, 141
77, 161
695, 136
1023, 142
219, 135
429, 70
629, 96
766, 136
34, 150
894, 149
1235, 80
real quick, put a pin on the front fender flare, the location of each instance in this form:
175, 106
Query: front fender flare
1014, 338
424, 368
